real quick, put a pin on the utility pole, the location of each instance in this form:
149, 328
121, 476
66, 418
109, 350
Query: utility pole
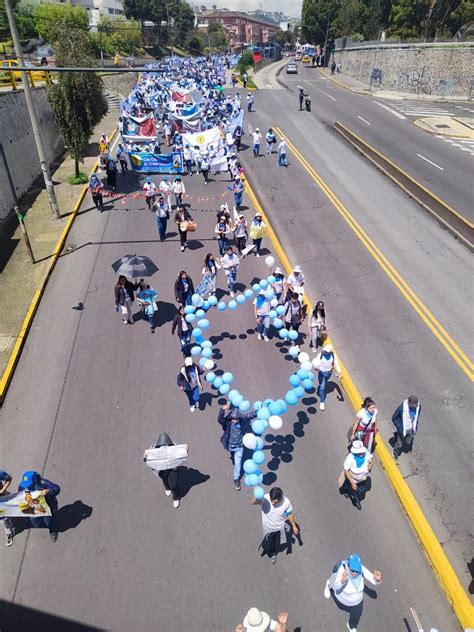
32, 112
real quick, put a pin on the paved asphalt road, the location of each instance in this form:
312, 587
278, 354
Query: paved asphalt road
379, 123
91, 393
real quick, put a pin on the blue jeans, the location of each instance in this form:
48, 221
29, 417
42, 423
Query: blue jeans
282, 161
257, 243
189, 166
222, 241
231, 279
323, 377
263, 323
161, 223
238, 200
185, 341
43, 521
187, 299
236, 456
151, 319
193, 396
256, 150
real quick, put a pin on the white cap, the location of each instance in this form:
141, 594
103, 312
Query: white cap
297, 269
328, 347
358, 447
188, 361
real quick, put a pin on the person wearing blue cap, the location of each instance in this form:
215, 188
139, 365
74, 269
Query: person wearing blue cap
346, 585
150, 192
96, 188
32, 481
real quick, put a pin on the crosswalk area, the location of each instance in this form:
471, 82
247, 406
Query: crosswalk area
429, 108
466, 146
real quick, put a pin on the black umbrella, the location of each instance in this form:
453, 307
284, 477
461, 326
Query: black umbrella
134, 266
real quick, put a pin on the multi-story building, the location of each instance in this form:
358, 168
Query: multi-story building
96, 8
243, 28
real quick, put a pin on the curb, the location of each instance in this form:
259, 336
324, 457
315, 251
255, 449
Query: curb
38, 295
426, 127
448, 579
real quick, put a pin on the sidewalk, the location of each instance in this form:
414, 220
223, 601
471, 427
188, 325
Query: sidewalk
19, 278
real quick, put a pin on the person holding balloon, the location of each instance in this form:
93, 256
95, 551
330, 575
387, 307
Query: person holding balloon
235, 425
230, 262
293, 314
189, 381
277, 512
183, 288
262, 310
184, 330
325, 362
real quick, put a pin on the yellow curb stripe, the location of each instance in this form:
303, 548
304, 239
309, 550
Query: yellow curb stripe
420, 308
30, 314
448, 579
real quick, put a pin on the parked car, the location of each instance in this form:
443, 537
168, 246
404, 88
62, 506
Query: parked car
298, 57
11, 64
306, 59
292, 68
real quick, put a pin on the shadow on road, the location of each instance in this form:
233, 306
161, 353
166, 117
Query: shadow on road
190, 477
16, 618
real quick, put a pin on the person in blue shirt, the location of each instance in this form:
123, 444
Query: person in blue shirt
33, 482
5, 482
235, 424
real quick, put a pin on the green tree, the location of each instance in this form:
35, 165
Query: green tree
317, 17
183, 17
217, 35
3, 13
351, 17
77, 99
25, 18
195, 44
245, 61
407, 18
53, 20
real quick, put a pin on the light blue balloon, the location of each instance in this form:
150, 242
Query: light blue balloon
291, 398
259, 445
212, 300
307, 366
203, 323
283, 333
280, 309
258, 426
258, 493
250, 466
201, 361
189, 309
195, 350
237, 399
232, 304
278, 323
228, 378
292, 335
221, 307
263, 284
311, 375
206, 352
248, 293
206, 305
269, 294
207, 344
294, 380
196, 299
197, 332
271, 278
210, 377
257, 405
294, 352
253, 480
263, 413
246, 480
233, 393
299, 391
260, 478
244, 405
267, 402
190, 317
224, 389
258, 457
272, 313
240, 299
302, 374
284, 406
307, 384
217, 382
275, 408
256, 287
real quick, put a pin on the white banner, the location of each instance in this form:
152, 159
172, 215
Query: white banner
203, 139
24, 505
166, 457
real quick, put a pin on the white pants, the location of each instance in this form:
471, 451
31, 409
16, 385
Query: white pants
127, 310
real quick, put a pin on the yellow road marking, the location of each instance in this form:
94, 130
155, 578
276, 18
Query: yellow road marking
448, 579
420, 308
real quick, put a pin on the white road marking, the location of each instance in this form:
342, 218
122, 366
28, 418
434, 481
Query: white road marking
328, 95
397, 114
363, 119
431, 163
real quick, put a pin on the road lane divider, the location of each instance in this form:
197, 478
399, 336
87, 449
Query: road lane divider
440, 333
437, 558
450, 219
9, 371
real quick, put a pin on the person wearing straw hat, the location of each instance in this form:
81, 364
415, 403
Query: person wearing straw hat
259, 621
357, 467
346, 585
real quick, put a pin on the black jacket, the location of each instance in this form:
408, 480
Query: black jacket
224, 419
119, 300
179, 292
177, 324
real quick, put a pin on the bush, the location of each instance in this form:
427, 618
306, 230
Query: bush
80, 179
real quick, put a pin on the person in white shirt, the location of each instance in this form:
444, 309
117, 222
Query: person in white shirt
261, 310
150, 192
357, 467
257, 139
230, 263
282, 159
317, 325
166, 189
325, 362
347, 587
179, 190
270, 138
365, 425
241, 233
249, 100
278, 284
277, 512
258, 621
295, 283
188, 159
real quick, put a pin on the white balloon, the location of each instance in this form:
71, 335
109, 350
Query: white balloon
303, 357
269, 261
209, 364
275, 422
274, 302
316, 363
306, 366
250, 441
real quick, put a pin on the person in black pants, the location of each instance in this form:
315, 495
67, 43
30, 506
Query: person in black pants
170, 477
182, 215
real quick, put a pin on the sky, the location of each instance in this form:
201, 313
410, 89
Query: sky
291, 8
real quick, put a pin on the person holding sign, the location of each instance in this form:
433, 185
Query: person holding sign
164, 457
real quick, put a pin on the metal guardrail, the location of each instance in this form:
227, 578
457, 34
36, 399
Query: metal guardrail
8, 78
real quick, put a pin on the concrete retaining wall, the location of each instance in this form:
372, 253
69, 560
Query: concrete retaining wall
17, 138
428, 69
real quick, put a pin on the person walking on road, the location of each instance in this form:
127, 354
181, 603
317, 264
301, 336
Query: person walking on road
166, 189
261, 310
162, 216
257, 139
238, 189
148, 297
189, 381
279, 284
97, 188
238, 137
111, 171
241, 233
277, 512
179, 190
207, 287
258, 621
182, 217
301, 96
406, 419
325, 362
122, 157
124, 293
365, 425
282, 149
170, 477
230, 263
357, 467
184, 331
235, 424
249, 100
5, 482
188, 159
245, 79
183, 288
258, 230
32, 481
271, 140
295, 284
346, 585
222, 230
150, 192
317, 325
205, 167
293, 314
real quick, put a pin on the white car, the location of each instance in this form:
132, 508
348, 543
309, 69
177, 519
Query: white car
291, 68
